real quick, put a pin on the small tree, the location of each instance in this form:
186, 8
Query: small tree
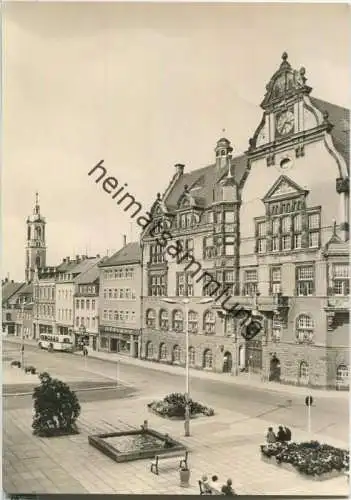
56, 407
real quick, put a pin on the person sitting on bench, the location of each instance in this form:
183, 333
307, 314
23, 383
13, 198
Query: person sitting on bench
206, 484
214, 482
227, 488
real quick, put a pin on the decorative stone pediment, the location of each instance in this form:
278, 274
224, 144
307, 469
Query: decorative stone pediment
284, 187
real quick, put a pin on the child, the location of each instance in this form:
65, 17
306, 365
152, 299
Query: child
271, 437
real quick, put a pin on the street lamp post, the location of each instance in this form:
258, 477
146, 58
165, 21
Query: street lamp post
22, 338
185, 302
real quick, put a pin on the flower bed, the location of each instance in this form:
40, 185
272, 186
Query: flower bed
173, 407
311, 459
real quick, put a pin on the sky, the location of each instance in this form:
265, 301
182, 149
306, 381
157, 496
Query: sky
142, 86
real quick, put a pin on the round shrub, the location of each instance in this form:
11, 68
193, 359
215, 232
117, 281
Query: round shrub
56, 408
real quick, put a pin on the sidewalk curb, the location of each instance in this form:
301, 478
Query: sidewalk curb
284, 389
103, 388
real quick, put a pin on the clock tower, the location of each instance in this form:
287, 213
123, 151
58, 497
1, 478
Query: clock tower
35, 246
283, 106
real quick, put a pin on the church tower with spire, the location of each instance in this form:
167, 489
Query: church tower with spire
35, 246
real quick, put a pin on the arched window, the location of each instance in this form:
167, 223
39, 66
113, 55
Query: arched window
193, 323
304, 372
191, 356
164, 319
304, 328
209, 322
163, 351
207, 361
149, 350
342, 375
151, 318
176, 354
177, 321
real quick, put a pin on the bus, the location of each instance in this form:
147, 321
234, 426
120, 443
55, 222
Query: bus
53, 342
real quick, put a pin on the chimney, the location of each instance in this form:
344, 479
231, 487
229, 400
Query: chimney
67, 259
63, 260
124, 240
77, 257
180, 168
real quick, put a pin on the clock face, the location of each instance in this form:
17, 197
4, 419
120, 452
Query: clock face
285, 122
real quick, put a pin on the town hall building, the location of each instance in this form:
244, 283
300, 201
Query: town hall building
271, 228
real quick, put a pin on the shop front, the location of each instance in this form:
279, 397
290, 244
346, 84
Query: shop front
120, 340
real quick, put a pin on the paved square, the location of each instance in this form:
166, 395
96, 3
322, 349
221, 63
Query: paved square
226, 444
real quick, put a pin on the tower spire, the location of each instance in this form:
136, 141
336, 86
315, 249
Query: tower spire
37, 207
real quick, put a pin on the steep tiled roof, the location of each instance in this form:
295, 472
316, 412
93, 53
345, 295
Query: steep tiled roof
340, 118
9, 289
205, 179
129, 254
67, 266
27, 289
90, 275
85, 264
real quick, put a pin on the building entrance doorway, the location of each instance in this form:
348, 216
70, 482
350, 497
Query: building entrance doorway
253, 355
274, 369
227, 362
113, 345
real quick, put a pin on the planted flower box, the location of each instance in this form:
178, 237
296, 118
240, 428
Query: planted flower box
311, 460
173, 406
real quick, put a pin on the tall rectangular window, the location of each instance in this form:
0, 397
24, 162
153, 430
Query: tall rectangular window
180, 292
229, 245
276, 278
305, 280
250, 282
209, 249
189, 285
341, 279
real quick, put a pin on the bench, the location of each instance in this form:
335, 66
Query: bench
168, 455
208, 489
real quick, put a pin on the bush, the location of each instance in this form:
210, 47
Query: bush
16, 363
56, 408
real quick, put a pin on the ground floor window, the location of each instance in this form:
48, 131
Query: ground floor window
191, 356
163, 351
342, 375
104, 343
176, 354
149, 350
304, 372
208, 361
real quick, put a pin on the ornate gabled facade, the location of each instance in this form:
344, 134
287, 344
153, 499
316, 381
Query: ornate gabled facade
199, 216
272, 226
297, 186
